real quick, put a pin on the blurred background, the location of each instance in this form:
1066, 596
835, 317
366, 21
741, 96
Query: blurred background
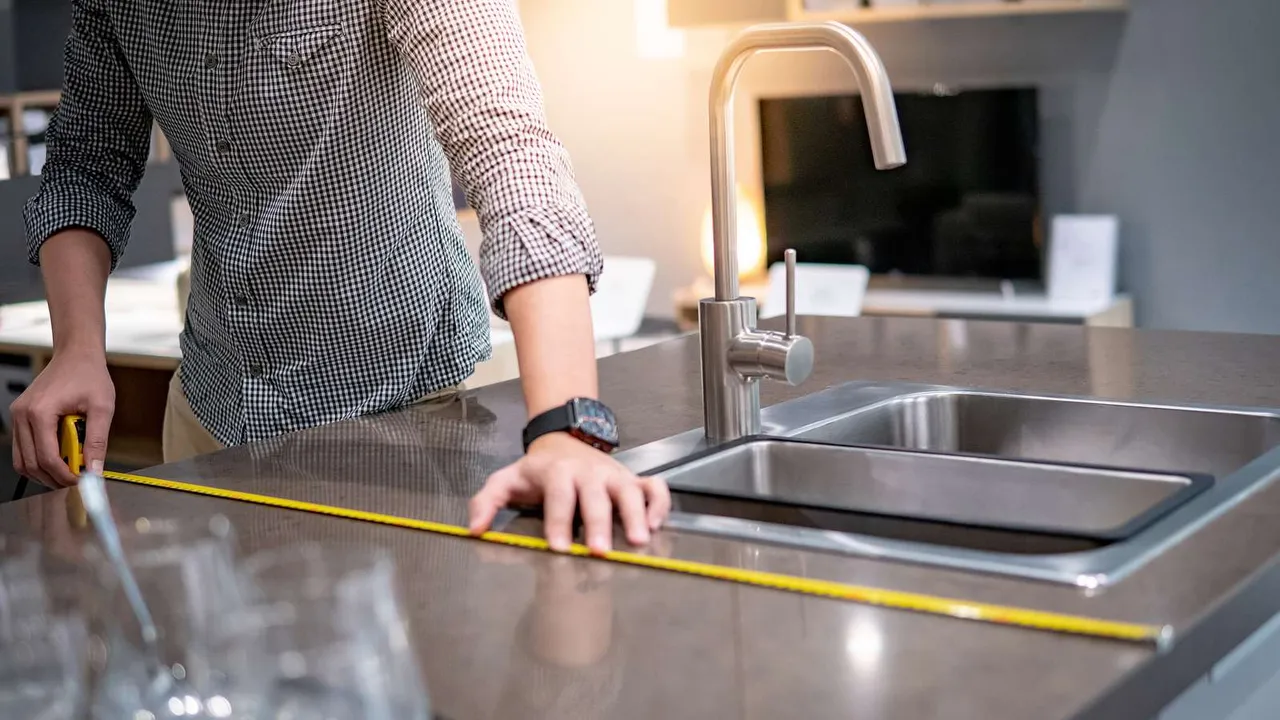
1098, 162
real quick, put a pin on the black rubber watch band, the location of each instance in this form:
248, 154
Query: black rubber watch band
586, 419
559, 419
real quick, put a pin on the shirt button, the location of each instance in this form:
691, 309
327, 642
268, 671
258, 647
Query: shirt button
241, 300
256, 370
211, 60
245, 220
223, 147
293, 60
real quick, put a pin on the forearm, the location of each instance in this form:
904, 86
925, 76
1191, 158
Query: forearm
75, 264
98, 143
555, 344
479, 85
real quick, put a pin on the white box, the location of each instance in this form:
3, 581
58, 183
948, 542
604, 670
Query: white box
1083, 254
831, 290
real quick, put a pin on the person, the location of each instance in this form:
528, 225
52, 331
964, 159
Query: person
329, 278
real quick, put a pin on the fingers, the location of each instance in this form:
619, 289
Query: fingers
630, 501
97, 427
44, 432
494, 496
27, 460
19, 465
596, 485
659, 497
597, 515
559, 500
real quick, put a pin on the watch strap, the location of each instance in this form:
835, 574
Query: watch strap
584, 419
557, 419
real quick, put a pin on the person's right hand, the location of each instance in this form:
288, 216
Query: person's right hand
69, 385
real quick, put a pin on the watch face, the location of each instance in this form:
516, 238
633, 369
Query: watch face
593, 421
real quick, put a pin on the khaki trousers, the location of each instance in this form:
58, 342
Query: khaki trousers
184, 437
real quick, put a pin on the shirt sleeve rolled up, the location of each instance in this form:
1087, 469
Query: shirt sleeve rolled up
97, 142
484, 99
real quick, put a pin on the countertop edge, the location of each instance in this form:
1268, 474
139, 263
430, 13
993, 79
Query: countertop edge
1154, 685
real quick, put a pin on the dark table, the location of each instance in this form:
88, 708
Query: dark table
511, 633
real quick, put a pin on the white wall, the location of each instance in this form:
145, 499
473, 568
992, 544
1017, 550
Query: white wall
635, 129
1167, 116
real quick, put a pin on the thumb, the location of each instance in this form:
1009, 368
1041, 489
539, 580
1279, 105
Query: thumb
97, 426
494, 496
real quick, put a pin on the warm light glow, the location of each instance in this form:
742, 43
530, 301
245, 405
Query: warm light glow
655, 39
751, 239
864, 644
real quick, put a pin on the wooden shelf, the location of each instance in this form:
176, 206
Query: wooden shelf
956, 11
42, 98
736, 13
14, 105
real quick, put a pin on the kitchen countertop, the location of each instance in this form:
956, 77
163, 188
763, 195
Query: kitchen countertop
513, 633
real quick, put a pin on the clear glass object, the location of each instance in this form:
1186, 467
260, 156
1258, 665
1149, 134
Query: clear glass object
207, 660
23, 600
336, 632
43, 671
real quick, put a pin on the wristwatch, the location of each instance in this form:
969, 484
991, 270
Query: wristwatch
588, 420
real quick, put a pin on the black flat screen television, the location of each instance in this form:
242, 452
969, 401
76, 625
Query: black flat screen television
966, 204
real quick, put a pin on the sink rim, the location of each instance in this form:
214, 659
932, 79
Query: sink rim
1090, 569
1197, 484
928, 391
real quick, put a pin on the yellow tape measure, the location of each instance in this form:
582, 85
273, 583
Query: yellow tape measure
1159, 636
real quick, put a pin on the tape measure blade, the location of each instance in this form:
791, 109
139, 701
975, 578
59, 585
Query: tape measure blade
1028, 618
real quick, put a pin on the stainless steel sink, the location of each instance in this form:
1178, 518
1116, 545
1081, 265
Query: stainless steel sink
1080, 501
972, 479
1217, 442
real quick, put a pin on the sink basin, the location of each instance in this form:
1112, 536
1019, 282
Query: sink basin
1087, 502
972, 479
1216, 442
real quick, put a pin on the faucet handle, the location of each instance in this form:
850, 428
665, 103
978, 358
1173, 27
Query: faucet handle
785, 356
790, 258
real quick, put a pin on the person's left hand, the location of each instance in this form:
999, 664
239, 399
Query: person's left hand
562, 472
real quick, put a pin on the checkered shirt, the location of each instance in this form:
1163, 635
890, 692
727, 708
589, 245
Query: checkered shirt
329, 277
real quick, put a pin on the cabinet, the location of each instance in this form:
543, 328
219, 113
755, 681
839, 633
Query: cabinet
18, 136
693, 13
1244, 685
32, 36
8, 54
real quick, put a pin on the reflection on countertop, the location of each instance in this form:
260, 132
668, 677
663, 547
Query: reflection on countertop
511, 633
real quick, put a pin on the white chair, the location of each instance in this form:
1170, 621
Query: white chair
618, 306
833, 290
617, 309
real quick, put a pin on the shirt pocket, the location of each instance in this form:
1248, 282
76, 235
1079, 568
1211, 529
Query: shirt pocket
291, 90
295, 48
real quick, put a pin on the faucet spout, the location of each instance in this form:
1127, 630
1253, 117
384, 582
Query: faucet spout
877, 99
736, 355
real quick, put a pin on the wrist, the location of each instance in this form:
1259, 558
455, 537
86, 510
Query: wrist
554, 440
535, 407
85, 350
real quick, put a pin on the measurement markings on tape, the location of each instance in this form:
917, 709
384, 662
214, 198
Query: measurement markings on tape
1159, 636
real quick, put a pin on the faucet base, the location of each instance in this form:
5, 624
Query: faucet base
730, 401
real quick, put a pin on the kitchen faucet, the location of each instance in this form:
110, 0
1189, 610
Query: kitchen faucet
735, 354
